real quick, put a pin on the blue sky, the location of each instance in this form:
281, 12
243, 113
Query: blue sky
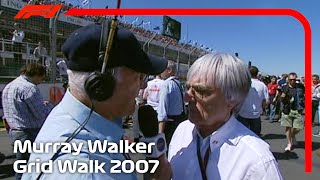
274, 44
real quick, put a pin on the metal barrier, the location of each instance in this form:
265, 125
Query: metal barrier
7, 49
12, 59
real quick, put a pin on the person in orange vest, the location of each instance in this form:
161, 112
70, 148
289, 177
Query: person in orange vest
56, 95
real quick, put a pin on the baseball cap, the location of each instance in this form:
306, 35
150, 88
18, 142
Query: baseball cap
81, 50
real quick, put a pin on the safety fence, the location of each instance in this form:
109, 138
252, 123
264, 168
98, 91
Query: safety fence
52, 33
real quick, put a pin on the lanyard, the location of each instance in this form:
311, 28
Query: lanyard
127, 156
203, 165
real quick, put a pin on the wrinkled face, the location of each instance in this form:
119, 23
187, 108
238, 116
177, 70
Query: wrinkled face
128, 84
315, 80
208, 108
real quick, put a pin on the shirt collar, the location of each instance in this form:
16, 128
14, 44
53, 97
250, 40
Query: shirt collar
25, 77
229, 132
101, 127
170, 78
315, 85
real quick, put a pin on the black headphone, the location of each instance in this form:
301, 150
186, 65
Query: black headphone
100, 85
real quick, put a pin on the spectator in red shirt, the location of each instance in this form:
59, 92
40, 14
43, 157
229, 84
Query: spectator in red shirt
272, 89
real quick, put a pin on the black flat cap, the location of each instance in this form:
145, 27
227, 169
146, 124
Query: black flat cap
82, 51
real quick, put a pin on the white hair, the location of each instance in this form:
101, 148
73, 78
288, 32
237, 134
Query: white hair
225, 72
77, 79
172, 65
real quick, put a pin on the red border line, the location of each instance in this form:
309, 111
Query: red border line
232, 12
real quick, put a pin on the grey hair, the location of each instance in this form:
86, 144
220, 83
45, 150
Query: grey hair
172, 65
77, 80
225, 72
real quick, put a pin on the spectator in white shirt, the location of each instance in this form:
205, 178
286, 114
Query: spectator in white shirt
254, 103
152, 92
18, 34
17, 39
62, 68
40, 53
212, 144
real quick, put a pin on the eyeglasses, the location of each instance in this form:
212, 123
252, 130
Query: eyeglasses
292, 79
200, 90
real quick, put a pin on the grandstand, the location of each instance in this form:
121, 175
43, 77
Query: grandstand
39, 29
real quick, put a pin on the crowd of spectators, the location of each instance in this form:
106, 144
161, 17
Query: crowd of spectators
146, 33
158, 37
66, 6
136, 29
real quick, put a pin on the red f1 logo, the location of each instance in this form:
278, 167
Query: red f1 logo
46, 11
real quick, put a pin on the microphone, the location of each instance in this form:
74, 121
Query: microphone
148, 123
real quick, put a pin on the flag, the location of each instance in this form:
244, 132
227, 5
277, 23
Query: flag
134, 21
195, 43
156, 28
148, 24
85, 2
140, 23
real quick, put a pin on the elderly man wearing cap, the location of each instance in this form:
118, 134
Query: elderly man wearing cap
128, 63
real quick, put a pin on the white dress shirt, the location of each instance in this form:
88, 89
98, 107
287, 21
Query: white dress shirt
235, 154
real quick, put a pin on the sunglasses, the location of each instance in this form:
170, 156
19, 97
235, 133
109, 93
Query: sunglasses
292, 79
200, 91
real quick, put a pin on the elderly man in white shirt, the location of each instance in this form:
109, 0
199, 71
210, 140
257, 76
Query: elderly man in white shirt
212, 144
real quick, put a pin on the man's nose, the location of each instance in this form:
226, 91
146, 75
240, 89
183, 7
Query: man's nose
188, 97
